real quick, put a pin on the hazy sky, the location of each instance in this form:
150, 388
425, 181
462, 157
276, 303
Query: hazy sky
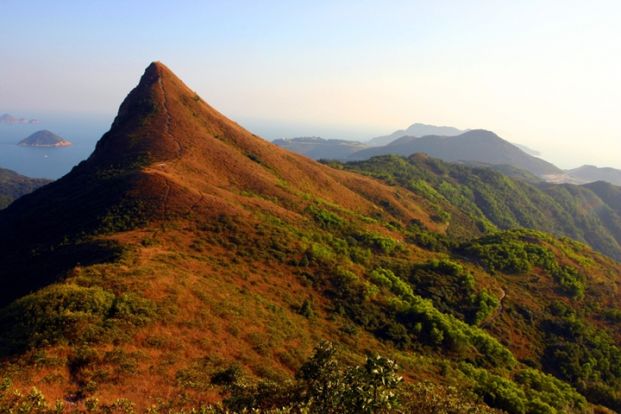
544, 73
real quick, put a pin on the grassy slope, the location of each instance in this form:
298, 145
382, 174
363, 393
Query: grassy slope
243, 234
491, 200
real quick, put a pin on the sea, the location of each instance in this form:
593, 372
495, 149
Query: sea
82, 130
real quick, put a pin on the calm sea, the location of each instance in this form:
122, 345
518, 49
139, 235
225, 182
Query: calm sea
82, 131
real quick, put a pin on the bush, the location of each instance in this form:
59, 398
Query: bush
379, 243
442, 331
323, 386
70, 313
386, 278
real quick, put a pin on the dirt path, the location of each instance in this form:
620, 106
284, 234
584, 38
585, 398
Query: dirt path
169, 120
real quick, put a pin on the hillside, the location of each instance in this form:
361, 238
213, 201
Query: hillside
475, 200
44, 138
415, 130
189, 262
13, 186
476, 145
319, 148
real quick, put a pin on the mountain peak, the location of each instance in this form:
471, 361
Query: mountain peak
146, 126
169, 155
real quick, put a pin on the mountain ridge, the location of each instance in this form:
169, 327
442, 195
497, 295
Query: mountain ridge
320, 148
416, 129
473, 145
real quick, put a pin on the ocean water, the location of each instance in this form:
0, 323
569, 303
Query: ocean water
83, 131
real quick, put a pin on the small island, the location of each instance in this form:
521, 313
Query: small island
46, 139
11, 120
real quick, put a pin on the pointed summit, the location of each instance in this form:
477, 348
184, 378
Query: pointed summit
168, 155
141, 131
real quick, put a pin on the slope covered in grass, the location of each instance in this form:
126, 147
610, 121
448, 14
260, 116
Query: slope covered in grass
476, 199
193, 263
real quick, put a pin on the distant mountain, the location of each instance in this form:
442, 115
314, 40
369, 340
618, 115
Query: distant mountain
13, 186
475, 145
415, 130
44, 138
590, 173
527, 150
11, 120
320, 148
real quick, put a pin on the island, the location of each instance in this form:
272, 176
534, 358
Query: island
46, 139
11, 120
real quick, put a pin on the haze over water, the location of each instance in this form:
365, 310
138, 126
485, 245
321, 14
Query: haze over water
83, 131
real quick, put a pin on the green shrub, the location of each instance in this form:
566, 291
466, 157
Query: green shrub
325, 218
446, 332
323, 385
379, 243
70, 313
386, 278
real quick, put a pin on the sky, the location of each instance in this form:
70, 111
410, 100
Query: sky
546, 73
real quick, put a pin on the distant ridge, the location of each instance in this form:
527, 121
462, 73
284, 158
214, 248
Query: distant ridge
591, 173
472, 146
415, 130
12, 120
320, 148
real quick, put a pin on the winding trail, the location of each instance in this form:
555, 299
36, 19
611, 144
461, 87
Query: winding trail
180, 149
179, 152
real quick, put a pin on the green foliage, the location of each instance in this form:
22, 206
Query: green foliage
485, 305
532, 392
550, 390
425, 323
323, 386
517, 252
508, 252
478, 200
326, 219
452, 289
569, 279
584, 356
70, 313
386, 278
377, 242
